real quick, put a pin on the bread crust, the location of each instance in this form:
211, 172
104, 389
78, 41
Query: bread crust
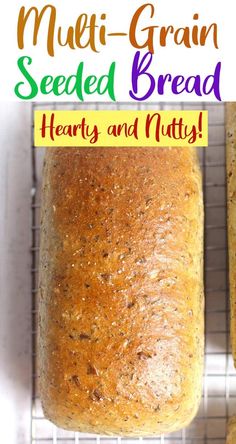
121, 289
231, 436
231, 184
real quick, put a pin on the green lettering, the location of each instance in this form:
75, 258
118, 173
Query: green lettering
45, 83
70, 86
59, 81
89, 82
109, 83
79, 77
33, 85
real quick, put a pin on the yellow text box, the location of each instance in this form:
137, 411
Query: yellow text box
121, 128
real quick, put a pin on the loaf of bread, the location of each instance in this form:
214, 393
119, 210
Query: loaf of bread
231, 182
231, 436
121, 289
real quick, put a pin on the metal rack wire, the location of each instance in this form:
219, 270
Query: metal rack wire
219, 391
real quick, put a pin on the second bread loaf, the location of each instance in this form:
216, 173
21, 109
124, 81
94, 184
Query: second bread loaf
231, 182
231, 436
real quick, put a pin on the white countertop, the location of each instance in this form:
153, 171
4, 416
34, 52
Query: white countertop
15, 285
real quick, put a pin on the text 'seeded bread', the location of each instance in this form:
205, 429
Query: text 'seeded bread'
121, 289
231, 181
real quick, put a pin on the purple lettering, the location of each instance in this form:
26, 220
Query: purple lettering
161, 83
215, 87
139, 69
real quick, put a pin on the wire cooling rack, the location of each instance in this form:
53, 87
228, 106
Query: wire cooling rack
219, 389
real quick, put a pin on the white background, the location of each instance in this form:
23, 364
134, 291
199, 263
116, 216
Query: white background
15, 277
172, 59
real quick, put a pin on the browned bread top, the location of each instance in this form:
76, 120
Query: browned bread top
121, 294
